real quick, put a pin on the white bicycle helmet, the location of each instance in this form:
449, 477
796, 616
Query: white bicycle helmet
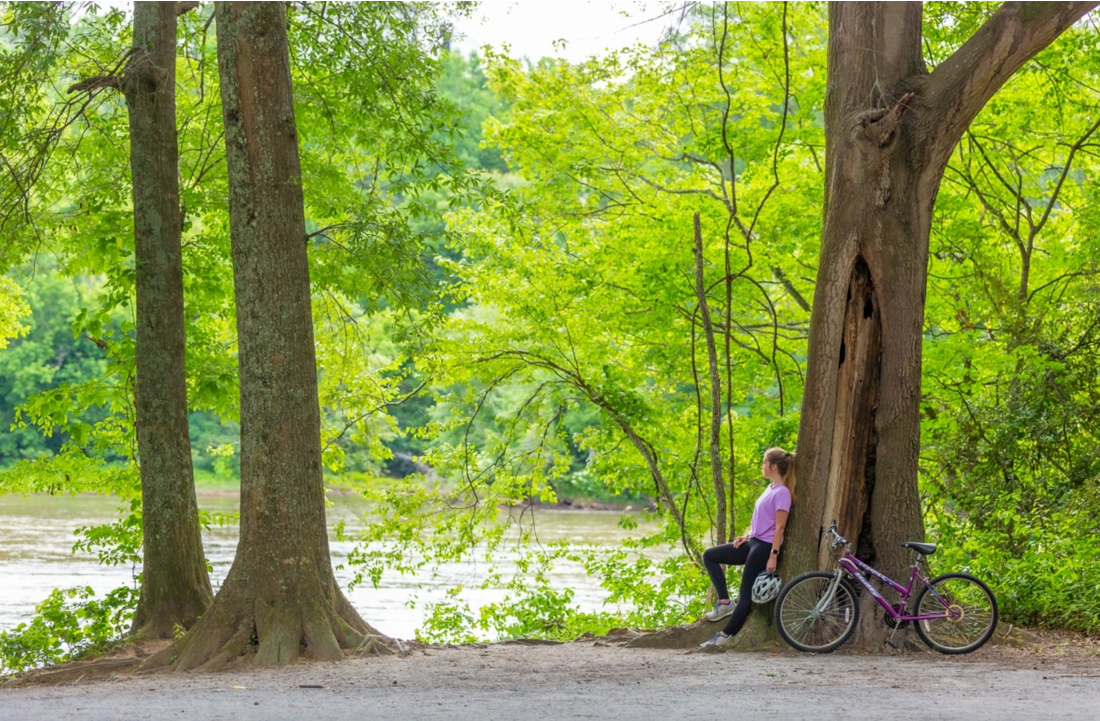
766, 587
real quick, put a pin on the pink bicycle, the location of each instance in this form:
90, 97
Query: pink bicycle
818, 611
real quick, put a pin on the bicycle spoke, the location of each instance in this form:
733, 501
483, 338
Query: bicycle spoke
810, 625
968, 613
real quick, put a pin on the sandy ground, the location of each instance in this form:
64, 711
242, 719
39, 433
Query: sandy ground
593, 680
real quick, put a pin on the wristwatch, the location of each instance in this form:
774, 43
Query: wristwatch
775, 551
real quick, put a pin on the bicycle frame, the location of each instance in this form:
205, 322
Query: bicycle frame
856, 568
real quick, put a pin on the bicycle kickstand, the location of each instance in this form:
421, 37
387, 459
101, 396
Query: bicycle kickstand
904, 639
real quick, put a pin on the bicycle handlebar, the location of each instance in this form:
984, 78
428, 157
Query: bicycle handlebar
838, 540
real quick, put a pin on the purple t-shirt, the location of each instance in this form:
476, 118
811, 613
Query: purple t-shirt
775, 498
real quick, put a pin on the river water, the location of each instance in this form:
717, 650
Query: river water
36, 540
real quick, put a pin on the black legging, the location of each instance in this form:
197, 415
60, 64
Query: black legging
753, 555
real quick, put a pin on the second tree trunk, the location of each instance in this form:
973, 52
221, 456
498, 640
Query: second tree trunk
175, 587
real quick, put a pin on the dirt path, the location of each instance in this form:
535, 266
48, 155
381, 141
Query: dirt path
583, 680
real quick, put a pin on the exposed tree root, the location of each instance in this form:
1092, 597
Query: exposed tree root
74, 672
164, 622
121, 660
379, 646
757, 633
231, 649
244, 625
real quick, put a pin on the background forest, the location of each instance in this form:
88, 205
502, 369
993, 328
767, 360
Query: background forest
511, 308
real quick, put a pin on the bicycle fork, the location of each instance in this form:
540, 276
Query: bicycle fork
827, 598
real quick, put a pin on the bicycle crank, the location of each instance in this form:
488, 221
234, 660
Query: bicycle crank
892, 622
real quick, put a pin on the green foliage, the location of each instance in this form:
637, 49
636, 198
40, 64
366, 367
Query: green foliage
641, 593
580, 485
12, 308
1012, 349
37, 368
214, 448
68, 625
1043, 570
578, 298
378, 161
579, 347
115, 543
502, 261
462, 81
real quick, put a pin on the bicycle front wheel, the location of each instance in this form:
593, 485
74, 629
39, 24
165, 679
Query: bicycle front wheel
809, 620
965, 611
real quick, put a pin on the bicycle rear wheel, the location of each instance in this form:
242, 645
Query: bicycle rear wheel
969, 613
810, 622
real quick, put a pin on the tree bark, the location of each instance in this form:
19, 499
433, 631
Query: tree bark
280, 595
175, 587
890, 129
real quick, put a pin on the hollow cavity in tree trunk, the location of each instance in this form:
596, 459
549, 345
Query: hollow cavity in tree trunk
854, 436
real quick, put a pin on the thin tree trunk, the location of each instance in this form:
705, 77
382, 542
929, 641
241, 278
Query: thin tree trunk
1025, 269
280, 593
175, 587
715, 383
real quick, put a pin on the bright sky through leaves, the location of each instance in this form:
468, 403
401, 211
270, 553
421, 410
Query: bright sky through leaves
570, 30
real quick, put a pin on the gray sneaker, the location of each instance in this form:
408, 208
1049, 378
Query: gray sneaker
716, 640
720, 611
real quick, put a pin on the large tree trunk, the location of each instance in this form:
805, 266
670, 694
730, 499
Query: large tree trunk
280, 594
890, 129
175, 587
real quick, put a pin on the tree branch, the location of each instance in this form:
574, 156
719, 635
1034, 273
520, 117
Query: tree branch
681, 191
961, 85
96, 82
1062, 177
791, 290
113, 79
988, 205
367, 414
642, 445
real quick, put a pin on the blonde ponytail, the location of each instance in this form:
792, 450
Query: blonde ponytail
791, 476
786, 463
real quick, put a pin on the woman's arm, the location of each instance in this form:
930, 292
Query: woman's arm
777, 540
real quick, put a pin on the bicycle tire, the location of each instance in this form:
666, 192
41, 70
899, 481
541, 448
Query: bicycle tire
975, 627
796, 607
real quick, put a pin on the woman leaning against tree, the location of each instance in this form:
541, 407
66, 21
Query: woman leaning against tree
757, 550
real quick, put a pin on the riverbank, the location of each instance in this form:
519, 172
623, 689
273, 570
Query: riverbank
599, 679
37, 536
210, 485
564, 504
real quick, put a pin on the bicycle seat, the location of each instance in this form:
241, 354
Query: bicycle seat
924, 549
